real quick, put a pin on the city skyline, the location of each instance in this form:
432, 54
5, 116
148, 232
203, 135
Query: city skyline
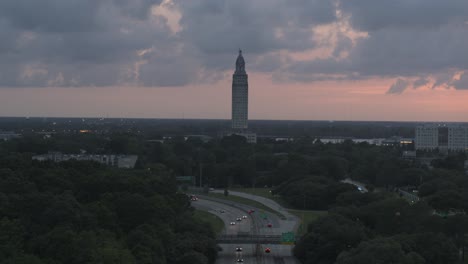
314, 60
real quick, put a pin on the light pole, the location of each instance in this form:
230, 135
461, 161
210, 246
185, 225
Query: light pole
200, 167
255, 170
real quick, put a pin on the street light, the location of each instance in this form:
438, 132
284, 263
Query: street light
303, 210
200, 166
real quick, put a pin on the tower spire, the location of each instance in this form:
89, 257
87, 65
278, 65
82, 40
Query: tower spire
240, 63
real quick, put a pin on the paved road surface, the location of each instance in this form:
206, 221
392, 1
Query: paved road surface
357, 184
290, 224
280, 254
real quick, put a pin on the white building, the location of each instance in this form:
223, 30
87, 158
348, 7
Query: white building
426, 138
240, 95
441, 137
457, 138
120, 161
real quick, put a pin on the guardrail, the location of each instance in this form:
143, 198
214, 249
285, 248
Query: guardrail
408, 196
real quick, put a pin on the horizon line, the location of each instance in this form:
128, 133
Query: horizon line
219, 119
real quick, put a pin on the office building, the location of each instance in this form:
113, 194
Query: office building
240, 102
441, 137
426, 137
240, 95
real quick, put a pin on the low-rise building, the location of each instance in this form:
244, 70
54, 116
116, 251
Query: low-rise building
120, 161
249, 136
7, 135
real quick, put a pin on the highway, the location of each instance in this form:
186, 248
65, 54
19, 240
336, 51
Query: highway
360, 185
254, 224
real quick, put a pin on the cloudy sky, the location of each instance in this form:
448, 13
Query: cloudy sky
306, 59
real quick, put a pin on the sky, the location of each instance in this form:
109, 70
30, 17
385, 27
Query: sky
401, 60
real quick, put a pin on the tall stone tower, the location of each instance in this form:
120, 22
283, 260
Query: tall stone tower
240, 95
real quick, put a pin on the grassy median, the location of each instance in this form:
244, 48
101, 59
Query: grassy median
306, 217
216, 223
263, 192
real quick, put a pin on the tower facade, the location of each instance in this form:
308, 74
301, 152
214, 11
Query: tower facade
240, 95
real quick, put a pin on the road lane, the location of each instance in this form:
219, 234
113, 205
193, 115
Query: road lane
228, 214
290, 224
254, 224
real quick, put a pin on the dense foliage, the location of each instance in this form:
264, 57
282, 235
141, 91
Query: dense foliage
81, 212
50, 209
384, 230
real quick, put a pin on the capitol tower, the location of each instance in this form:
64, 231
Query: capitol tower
240, 95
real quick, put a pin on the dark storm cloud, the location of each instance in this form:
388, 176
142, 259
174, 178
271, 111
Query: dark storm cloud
115, 42
420, 82
270, 63
137, 8
75, 42
100, 43
51, 15
395, 53
218, 27
461, 83
398, 87
372, 15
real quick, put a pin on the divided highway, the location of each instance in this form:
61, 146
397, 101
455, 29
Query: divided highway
253, 224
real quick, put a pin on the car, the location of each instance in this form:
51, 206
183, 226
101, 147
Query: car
211, 189
222, 211
238, 249
269, 225
244, 217
238, 219
240, 260
232, 223
267, 250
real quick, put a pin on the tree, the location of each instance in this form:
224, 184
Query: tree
327, 237
446, 199
12, 236
380, 250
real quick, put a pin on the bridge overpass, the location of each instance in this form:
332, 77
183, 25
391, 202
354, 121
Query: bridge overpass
251, 239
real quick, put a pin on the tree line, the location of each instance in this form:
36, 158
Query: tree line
83, 212
374, 227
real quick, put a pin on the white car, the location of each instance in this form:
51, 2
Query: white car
244, 217
238, 249
233, 223
238, 219
240, 260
